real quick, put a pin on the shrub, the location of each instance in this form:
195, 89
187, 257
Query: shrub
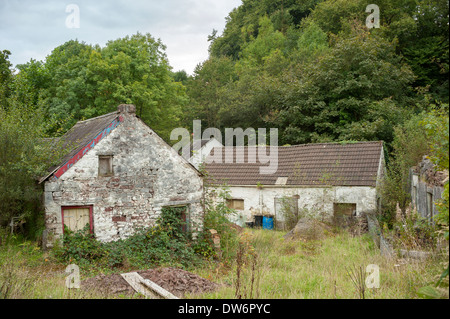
146, 248
217, 215
289, 211
408, 148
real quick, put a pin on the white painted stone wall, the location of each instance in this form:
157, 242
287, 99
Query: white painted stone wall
314, 200
148, 175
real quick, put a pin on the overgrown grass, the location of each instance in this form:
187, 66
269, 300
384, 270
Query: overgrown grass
27, 272
285, 269
320, 269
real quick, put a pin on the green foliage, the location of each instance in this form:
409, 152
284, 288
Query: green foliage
415, 232
217, 217
172, 222
80, 247
24, 157
316, 72
289, 212
436, 126
409, 146
166, 243
312, 42
5, 77
437, 131
429, 292
82, 81
356, 90
146, 248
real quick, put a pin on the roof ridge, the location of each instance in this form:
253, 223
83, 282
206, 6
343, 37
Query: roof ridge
97, 117
309, 144
334, 143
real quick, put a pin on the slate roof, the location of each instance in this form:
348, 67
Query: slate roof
193, 146
78, 137
336, 164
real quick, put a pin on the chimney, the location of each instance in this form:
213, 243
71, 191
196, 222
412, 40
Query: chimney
127, 108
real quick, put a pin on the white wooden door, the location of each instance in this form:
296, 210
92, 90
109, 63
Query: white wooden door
76, 218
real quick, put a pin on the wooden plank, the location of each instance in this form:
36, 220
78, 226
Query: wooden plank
134, 281
158, 289
76, 218
82, 217
147, 287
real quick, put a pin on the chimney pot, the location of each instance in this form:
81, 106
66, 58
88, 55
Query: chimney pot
127, 108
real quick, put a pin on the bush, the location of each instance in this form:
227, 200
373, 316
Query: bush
148, 247
217, 215
408, 148
413, 232
80, 248
289, 211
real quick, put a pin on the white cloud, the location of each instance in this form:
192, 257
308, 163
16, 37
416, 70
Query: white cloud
31, 29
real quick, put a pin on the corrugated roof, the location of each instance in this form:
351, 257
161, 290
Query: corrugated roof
79, 136
351, 164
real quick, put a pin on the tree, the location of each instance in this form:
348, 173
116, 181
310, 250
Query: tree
6, 76
24, 156
82, 81
344, 87
243, 23
207, 90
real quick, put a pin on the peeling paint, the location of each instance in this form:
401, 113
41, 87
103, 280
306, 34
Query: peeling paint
88, 147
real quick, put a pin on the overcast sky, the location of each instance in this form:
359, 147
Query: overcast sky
32, 29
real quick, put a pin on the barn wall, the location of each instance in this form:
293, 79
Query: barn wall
313, 200
148, 175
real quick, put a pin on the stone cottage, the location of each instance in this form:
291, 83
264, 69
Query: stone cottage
116, 175
325, 179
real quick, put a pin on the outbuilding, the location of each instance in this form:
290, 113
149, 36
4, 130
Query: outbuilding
115, 176
324, 180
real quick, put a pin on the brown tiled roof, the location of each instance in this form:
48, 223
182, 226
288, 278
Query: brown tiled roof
79, 136
351, 164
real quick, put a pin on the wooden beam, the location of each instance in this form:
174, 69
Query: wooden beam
146, 287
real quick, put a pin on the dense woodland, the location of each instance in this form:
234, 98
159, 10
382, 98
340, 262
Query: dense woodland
310, 68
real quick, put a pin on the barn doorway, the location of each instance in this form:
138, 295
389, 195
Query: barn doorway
343, 213
177, 217
77, 218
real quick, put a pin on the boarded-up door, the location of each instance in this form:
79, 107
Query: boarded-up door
344, 209
76, 218
343, 212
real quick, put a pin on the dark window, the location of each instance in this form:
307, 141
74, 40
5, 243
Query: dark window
430, 205
105, 167
237, 204
343, 213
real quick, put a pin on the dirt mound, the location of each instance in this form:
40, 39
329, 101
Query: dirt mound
108, 285
177, 281
308, 229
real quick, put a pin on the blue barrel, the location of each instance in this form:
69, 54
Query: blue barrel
267, 222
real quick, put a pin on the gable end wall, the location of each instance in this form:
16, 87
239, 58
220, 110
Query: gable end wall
148, 175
